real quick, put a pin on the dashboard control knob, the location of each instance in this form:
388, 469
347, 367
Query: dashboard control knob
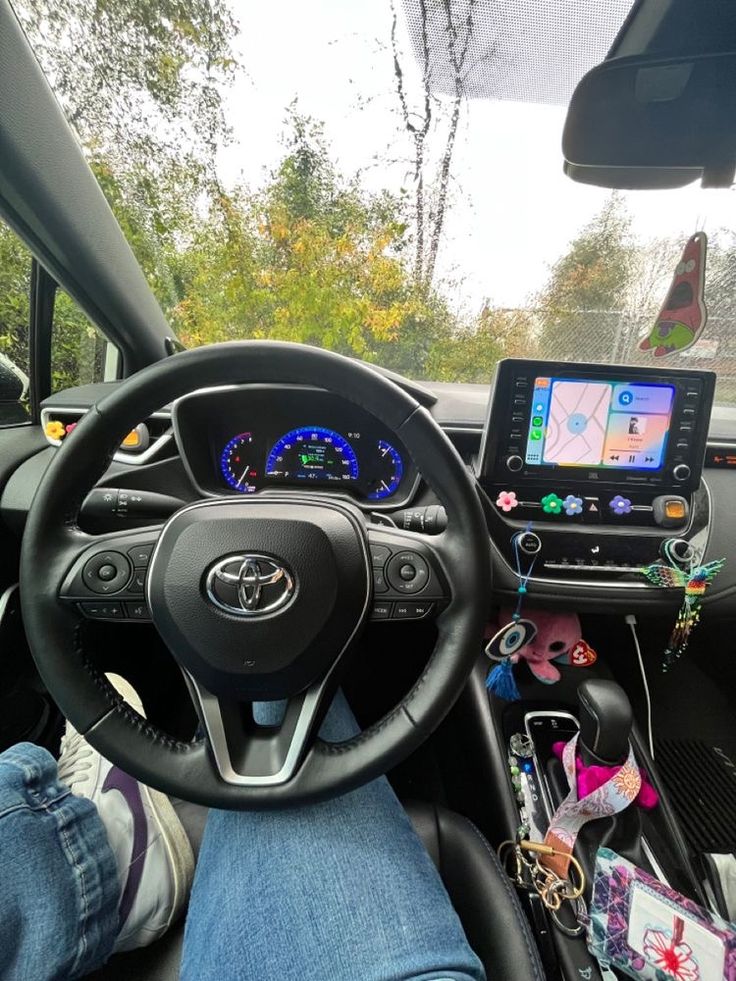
681, 471
678, 549
529, 543
514, 463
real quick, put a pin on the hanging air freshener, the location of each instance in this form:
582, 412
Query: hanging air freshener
694, 581
683, 316
504, 644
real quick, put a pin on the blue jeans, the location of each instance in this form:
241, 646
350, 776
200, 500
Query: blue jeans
333, 892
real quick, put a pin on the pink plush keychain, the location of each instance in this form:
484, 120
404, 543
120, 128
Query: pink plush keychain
557, 638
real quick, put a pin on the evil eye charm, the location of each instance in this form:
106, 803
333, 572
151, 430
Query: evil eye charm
510, 639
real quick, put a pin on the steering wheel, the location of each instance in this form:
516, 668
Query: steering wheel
256, 598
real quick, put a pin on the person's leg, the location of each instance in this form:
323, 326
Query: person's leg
332, 892
59, 890
91, 861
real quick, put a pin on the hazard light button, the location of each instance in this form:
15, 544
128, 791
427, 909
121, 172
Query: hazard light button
592, 508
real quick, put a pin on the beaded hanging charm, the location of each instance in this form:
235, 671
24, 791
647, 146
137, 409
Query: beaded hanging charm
694, 581
509, 639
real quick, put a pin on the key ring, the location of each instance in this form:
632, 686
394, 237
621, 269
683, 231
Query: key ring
541, 850
521, 864
581, 909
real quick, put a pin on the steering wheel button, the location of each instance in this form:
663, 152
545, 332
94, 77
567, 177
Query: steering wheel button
102, 610
380, 611
140, 554
138, 582
407, 572
379, 554
379, 581
137, 611
106, 572
411, 611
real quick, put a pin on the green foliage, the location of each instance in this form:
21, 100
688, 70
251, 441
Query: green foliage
311, 258
15, 283
592, 277
77, 346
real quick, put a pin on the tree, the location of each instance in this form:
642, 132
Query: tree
309, 258
15, 283
141, 81
429, 120
581, 305
470, 353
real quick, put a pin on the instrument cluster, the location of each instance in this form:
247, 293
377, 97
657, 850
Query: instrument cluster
250, 438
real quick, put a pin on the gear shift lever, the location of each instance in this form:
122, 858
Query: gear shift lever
605, 723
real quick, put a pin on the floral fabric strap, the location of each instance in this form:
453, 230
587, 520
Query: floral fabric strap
611, 797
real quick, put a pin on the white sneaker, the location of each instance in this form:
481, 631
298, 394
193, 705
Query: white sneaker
153, 854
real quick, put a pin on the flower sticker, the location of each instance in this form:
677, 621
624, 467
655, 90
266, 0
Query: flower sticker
552, 504
572, 505
55, 429
670, 954
620, 505
506, 500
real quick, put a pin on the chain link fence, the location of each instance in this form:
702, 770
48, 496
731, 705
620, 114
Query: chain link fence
612, 337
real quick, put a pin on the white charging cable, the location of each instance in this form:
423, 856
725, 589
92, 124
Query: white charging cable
631, 620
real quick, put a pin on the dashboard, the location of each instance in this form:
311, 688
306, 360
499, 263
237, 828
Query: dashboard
250, 438
253, 439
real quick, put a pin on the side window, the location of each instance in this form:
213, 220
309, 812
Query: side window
80, 353
15, 293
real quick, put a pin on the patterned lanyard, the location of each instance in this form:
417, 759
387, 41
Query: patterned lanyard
611, 797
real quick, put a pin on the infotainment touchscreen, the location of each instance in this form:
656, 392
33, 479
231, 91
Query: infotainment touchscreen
577, 422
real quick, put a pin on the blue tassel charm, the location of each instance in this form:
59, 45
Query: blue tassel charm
501, 682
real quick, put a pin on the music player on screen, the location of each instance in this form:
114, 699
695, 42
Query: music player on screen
580, 423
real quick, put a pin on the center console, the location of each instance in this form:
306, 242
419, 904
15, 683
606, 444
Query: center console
606, 461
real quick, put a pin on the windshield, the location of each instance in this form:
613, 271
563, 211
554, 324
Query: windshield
383, 179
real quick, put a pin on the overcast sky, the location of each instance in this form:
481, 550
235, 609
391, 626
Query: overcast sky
513, 211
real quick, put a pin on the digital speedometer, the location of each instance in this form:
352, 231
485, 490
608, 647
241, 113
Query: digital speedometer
312, 453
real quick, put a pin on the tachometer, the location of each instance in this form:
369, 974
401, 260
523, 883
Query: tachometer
386, 474
312, 453
238, 465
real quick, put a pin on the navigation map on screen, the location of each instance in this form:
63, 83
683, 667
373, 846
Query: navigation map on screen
579, 423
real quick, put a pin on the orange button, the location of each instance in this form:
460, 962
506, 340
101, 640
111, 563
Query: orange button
133, 440
674, 509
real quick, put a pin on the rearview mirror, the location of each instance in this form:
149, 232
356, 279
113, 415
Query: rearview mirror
642, 122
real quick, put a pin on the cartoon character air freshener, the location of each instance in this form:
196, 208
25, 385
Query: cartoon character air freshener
684, 314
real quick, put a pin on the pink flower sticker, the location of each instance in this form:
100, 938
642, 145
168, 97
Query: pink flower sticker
670, 954
506, 500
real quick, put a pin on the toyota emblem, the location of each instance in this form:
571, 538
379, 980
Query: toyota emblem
249, 585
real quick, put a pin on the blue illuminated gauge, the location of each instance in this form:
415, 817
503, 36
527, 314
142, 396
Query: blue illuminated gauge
238, 465
387, 473
312, 453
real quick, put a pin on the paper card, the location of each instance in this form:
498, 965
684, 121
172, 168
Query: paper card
672, 941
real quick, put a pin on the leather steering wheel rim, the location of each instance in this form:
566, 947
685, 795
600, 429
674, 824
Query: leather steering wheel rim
52, 537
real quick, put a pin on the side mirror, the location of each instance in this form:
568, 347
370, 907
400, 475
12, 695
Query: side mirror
646, 122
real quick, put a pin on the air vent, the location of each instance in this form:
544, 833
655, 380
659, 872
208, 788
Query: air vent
154, 436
